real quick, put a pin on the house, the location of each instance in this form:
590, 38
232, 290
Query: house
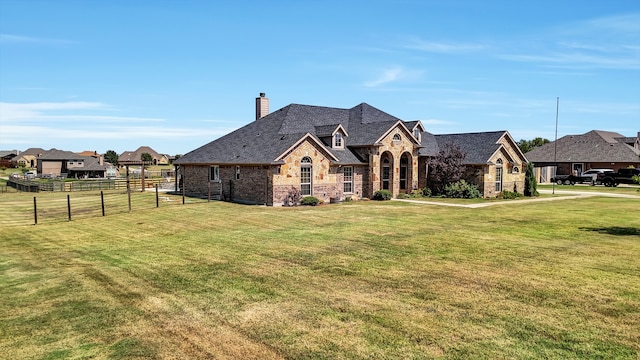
332, 154
29, 157
7, 156
136, 156
59, 163
574, 154
493, 160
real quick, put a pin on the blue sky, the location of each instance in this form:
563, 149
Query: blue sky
174, 75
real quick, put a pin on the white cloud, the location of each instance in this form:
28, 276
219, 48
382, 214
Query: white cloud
393, 74
443, 47
17, 39
45, 111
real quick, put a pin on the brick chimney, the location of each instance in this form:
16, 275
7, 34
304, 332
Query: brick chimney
262, 106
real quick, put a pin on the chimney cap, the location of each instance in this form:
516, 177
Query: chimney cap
263, 94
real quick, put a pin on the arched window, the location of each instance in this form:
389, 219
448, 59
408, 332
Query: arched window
306, 172
499, 175
397, 137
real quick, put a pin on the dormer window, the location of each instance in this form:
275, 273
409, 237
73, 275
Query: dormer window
338, 141
416, 133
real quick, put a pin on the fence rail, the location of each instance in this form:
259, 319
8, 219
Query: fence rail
51, 207
88, 185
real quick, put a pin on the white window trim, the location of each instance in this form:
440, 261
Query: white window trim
214, 173
336, 145
345, 179
237, 172
306, 164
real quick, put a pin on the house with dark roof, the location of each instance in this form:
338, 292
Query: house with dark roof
29, 157
56, 163
335, 153
135, 157
574, 154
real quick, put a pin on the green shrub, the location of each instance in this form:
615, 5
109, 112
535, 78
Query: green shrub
426, 192
310, 201
382, 195
509, 195
462, 190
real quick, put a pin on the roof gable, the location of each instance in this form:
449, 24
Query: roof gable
478, 147
314, 140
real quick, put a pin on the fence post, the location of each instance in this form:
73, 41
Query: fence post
209, 192
157, 200
35, 212
69, 206
128, 188
102, 201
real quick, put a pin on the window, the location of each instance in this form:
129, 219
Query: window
305, 176
416, 133
237, 172
337, 140
404, 166
499, 175
347, 171
397, 137
214, 173
386, 174
516, 170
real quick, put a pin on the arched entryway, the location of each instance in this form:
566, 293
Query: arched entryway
406, 172
386, 171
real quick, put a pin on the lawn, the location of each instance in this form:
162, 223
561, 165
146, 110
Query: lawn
361, 280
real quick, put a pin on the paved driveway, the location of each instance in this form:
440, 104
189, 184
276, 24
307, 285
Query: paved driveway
568, 195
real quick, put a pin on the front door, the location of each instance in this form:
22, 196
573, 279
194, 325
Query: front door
577, 169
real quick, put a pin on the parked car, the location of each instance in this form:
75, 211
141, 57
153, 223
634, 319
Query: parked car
597, 175
30, 175
623, 176
591, 176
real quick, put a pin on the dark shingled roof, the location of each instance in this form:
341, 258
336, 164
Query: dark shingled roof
594, 146
429, 145
55, 154
264, 140
478, 147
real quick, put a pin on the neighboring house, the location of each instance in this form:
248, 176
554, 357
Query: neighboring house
493, 160
575, 154
7, 156
332, 154
55, 163
132, 157
29, 157
90, 153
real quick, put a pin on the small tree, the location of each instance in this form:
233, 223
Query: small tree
530, 182
445, 168
528, 145
111, 157
146, 157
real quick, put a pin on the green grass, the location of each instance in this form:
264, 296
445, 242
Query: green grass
359, 280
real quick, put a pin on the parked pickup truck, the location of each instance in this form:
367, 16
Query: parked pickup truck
623, 176
591, 176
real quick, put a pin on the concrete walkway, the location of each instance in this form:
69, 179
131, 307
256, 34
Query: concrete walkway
567, 194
